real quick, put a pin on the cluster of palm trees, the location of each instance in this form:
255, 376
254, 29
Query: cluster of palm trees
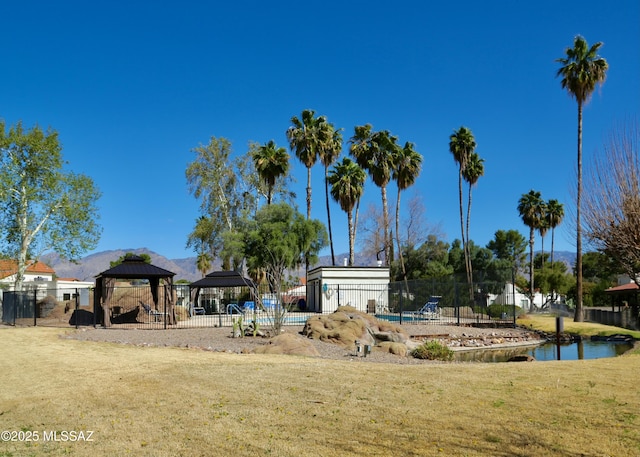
541, 216
378, 153
462, 145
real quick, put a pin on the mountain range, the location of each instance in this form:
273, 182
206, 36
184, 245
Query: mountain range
87, 268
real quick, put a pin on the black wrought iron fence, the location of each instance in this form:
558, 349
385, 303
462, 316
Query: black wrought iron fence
447, 302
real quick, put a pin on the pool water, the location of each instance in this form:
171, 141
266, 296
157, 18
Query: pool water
580, 350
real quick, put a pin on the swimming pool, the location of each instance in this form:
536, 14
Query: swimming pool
405, 318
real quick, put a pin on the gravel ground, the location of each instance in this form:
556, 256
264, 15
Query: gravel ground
219, 339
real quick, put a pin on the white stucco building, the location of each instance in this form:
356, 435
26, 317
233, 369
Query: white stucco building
364, 288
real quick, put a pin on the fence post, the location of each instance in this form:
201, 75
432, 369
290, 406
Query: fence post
77, 311
35, 307
401, 294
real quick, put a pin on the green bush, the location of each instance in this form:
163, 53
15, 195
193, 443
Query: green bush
432, 350
496, 311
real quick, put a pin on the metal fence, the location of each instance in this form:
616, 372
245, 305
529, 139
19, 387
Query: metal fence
132, 306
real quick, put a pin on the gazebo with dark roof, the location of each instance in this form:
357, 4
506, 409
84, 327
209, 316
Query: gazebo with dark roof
133, 267
220, 279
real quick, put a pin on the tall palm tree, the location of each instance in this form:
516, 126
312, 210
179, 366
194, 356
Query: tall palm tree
329, 150
581, 71
407, 163
555, 214
271, 162
203, 262
347, 184
530, 209
472, 172
303, 138
462, 144
374, 151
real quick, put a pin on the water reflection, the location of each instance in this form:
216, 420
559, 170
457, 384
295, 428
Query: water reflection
579, 350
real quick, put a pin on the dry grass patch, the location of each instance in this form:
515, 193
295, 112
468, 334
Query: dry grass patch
181, 402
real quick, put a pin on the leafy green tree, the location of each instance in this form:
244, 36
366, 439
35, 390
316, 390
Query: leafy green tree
374, 152
279, 238
271, 162
42, 206
407, 163
329, 150
146, 258
201, 241
462, 145
530, 207
554, 216
581, 71
347, 184
429, 260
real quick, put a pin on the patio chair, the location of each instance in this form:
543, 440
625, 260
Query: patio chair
152, 313
430, 309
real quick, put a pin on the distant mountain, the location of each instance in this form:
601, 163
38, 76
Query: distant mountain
89, 267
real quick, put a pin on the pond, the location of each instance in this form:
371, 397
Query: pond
579, 350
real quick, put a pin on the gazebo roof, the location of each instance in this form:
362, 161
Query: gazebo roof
135, 267
222, 279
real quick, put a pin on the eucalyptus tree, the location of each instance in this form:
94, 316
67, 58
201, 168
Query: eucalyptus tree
555, 214
304, 136
374, 152
43, 207
407, 163
462, 145
530, 207
225, 189
330, 148
347, 185
271, 162
581, 71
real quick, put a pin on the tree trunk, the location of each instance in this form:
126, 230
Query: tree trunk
385, 219
308, 192
464, 243
404, 271
469, 266
326, 194
351, 238
532, 291
579, 317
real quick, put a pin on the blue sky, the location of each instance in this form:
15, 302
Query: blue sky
133, 86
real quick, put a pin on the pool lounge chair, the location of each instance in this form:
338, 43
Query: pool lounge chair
152, 313
430, 309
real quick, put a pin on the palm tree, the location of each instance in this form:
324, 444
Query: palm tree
406, 168
374, 151
203, 263
271, 162
329, 150
303, 138
462, 144
581, 71
472, 172
555, 214
347, 184
530, 209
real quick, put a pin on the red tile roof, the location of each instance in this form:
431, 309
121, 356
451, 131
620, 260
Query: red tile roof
623, 287
10, 267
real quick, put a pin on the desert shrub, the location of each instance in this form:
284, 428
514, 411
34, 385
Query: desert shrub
433, 350
497, 310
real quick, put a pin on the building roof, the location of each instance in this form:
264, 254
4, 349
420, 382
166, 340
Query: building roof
9, 267
632, 286
135, 267
222, 279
